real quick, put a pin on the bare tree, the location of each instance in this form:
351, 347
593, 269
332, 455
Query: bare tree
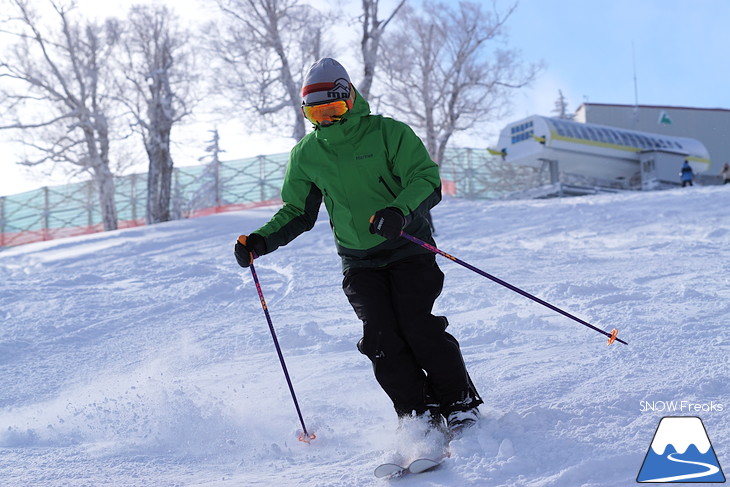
160, 74
372, 31
443, 72
55, 75
264, 47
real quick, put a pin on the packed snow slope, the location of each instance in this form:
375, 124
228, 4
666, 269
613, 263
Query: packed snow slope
142, 357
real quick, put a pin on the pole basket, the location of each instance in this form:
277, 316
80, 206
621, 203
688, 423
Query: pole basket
306, 437
612, 338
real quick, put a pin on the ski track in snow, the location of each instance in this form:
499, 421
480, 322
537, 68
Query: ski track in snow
142, 357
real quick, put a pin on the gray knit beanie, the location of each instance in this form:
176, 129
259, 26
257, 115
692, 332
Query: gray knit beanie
325, 81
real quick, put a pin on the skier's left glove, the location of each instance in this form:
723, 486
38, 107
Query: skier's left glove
249, 247
387, 223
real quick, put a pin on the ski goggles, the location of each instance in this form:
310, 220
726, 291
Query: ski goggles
328, 112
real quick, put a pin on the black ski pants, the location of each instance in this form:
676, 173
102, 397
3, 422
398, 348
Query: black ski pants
416, 362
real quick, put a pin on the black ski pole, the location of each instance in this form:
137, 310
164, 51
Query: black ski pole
306, 437
612, 336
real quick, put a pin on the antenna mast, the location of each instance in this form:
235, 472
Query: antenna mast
636, 87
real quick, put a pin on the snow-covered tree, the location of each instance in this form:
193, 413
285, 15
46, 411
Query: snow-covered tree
209, 193
443, 70
56, 70
561, 107
160, 75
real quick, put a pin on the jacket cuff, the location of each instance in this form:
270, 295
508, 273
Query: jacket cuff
257, 244
406, 218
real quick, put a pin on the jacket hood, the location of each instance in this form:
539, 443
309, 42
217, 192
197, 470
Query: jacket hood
349, 126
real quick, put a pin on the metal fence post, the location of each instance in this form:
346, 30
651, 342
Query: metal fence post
469, 179
133, 197
262, 161
177, 208
217, 175
2, 221
472, 174
46, 214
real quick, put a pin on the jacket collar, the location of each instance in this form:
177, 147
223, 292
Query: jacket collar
347, 129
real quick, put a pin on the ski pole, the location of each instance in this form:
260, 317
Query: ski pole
612, 336
306, 437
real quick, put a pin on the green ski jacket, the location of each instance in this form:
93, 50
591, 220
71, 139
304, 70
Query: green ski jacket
358, 166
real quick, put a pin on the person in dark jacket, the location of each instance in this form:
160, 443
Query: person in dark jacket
376, 179
686, 175
725, 173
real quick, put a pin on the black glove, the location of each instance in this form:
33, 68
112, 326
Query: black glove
249, 247
387, 223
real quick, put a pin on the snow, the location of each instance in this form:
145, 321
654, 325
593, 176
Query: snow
680, 432
142, 357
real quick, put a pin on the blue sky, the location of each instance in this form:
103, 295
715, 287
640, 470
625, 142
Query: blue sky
680, 49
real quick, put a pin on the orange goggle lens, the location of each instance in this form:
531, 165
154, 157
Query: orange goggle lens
326, 113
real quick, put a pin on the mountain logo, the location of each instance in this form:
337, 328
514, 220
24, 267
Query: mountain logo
340, 89
664, 119
680, 452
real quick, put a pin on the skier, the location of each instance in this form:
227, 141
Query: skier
686, 174
725, 173
376, 179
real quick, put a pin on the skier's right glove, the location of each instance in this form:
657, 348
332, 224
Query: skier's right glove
249, 247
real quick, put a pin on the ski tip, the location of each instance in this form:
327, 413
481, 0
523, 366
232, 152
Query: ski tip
423, 465
389, 470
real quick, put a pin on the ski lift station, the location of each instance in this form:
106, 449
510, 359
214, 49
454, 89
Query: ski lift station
611, 157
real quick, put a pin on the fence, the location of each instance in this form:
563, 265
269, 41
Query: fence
63, 211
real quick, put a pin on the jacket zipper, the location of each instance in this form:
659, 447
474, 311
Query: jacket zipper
382, 180
326, 197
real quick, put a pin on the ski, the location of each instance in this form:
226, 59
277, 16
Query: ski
423, 465
392, 470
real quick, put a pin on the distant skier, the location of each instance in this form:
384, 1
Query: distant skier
376, 179
686, 175
725, 173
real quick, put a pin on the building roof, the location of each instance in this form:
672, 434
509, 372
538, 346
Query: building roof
661, 107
